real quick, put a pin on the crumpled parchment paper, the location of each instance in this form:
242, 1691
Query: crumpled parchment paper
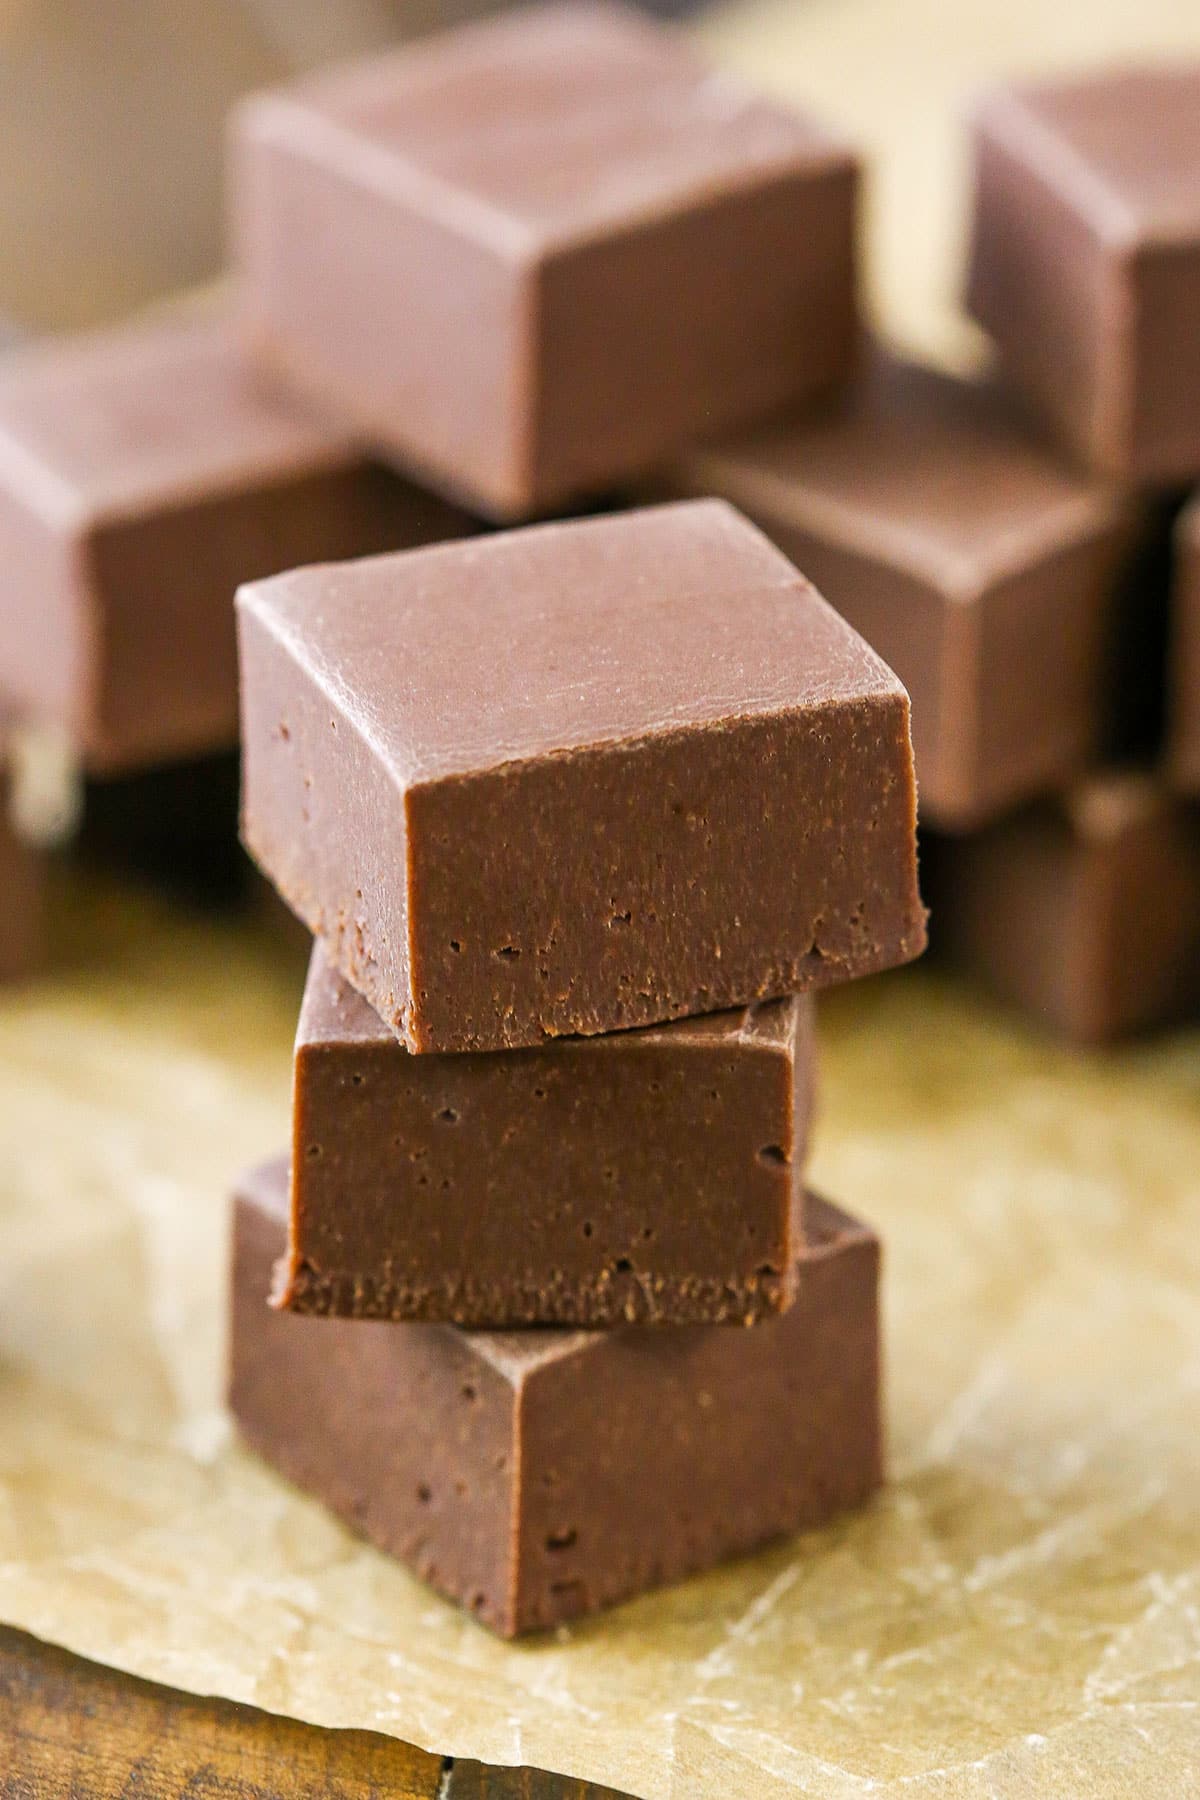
1018, 1614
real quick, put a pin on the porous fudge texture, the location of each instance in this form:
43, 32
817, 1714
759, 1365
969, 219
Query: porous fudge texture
578, 777
534, 1476
652, 1175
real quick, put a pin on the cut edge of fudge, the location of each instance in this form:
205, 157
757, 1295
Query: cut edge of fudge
520, 763
616, 1278
530, 1543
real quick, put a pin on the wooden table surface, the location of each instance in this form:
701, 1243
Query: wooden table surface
69, 1727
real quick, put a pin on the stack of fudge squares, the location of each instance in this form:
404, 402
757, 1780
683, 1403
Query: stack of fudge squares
1021, 548
580, 814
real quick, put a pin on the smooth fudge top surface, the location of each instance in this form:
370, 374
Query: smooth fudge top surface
115, 420
333, 1015
939, 475
560, 638
549, 124
517, 1355
1122, 146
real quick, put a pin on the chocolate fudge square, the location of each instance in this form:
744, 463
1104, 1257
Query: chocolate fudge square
1082, 909
577, 777
979, 565
1184, 660
141, 478
534, 1476
652, 1176
529, 257
1085, 260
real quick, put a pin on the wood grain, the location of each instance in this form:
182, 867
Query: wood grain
74, 1730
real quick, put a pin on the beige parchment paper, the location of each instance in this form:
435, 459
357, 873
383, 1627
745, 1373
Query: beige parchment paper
1017, 1615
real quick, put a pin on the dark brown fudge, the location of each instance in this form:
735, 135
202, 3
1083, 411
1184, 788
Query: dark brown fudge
530, 257
652, 1175
141, 479
1184, 679
537, 1475
980, 568
173, 824
577, 777
1084, 910
1085, 260
22, 896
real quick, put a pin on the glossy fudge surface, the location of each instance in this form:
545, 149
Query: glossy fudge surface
980, 567
1085, 260
534, 1476
652, 1175
141, 478
529, 257
1083, 909
578, 777
1184, 676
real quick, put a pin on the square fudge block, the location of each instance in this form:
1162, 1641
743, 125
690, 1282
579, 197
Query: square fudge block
652, 1175
1184, 672
537, 1475
1083, 910
1085, 260
577, 777
980, 568
529, 257
141, 478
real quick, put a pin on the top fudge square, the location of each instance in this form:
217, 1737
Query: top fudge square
1085, 263
577, 777
529, 257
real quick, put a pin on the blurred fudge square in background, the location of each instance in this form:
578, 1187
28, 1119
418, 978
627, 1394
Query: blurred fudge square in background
980, 566
1085, 260
1083, 909
141, 478
532, 257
